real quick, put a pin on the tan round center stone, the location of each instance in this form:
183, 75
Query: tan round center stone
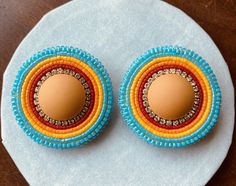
171, 96
61, 97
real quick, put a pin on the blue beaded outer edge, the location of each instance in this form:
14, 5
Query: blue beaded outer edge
124, 98
89, 134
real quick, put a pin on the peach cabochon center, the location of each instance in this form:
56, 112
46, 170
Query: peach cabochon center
61, 97
170, 96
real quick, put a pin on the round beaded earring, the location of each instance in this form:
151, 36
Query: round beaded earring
170, 97
62, 97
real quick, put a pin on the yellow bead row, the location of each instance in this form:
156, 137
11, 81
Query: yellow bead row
67, 133
33, 74
163, 63
175, 133
162, 129
49, 127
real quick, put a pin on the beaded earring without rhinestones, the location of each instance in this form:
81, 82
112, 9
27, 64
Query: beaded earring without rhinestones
170, 97
62, 97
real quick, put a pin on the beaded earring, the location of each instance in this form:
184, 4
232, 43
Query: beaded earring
170, 97
62, 97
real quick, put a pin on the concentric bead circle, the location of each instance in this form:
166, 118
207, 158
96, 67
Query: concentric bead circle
97, 106
139, 116
150, 115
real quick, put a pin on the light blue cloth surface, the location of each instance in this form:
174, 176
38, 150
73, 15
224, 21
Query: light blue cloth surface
116, 32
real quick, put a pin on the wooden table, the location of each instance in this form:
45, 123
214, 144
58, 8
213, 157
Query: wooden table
217, 18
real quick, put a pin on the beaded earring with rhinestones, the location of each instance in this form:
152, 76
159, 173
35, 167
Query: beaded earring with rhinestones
170, 97
62, 97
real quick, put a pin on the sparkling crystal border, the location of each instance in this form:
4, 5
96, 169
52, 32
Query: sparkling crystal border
161, 120
73, 74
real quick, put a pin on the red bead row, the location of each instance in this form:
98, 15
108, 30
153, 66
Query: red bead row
43, 73
142, 107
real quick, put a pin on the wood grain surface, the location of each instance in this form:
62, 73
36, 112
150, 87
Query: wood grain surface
217, 18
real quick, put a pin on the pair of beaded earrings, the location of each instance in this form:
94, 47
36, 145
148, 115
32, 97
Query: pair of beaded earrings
62, 97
